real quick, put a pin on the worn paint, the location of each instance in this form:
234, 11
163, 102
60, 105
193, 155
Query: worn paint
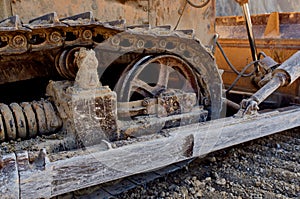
280, 46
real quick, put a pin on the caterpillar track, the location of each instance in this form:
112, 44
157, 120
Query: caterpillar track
47, 46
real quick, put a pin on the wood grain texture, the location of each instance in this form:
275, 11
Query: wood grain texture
9, 177
95, 167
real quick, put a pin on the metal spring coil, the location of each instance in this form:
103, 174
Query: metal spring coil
27, 120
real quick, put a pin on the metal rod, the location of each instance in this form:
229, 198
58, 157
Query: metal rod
277, 81
285, 74
247, 17
232, 104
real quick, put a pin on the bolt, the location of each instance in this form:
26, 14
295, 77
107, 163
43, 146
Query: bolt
197, 60
182, 47
140, 44
87, 34
19, 41
55, 37
146, 102
205, 101
115, 41
163, 43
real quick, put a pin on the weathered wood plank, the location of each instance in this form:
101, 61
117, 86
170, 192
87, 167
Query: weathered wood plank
104, 166
98, 167
37, 175
9, 177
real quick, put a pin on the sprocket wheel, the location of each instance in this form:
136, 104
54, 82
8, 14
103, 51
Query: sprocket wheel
152, 75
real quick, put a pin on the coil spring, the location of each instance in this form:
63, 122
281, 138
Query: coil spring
27, 120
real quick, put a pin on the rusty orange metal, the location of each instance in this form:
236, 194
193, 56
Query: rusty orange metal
276, 34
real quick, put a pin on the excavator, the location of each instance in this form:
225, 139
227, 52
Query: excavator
100, 90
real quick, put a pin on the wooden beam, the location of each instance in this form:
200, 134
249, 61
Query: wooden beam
95, 167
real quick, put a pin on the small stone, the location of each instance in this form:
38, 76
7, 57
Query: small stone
211, 189
199, 194
199, 184
192, 190
215, 175
194, 178
186, 181
223, 194
175, 195
177, 188
212, 159
208, 179
172, 187
257, 183
113, 145
184, 192
144, 191
221, 181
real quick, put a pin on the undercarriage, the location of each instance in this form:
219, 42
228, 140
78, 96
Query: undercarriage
87, 101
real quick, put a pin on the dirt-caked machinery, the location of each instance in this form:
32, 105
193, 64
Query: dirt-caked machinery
87, 98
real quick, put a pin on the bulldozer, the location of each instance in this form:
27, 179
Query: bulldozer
99, 90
